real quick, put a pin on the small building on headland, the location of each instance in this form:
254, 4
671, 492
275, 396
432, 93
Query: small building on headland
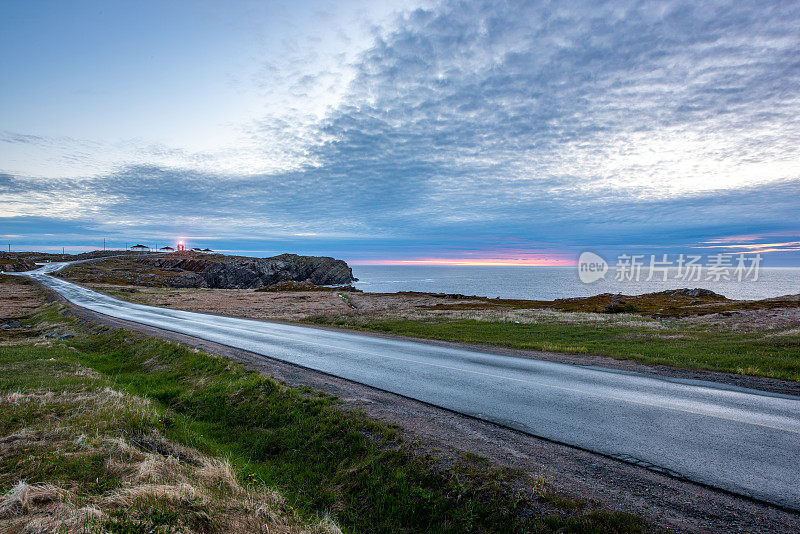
140, 248
167, 249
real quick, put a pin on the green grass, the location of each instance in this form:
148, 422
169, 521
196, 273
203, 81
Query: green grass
54, 395
321, 458
763, 353
67, 436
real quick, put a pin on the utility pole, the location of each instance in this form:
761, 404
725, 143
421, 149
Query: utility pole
104, 244
9, 248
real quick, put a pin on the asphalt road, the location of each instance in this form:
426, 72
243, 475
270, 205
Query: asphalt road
739, 440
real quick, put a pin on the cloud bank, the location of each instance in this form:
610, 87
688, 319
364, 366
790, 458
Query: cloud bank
482, 127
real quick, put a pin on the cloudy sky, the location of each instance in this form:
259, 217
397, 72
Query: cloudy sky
471, 131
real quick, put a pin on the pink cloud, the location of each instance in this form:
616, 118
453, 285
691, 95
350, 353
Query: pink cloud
500, 258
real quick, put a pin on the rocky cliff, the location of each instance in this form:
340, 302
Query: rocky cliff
240, 272
24, 261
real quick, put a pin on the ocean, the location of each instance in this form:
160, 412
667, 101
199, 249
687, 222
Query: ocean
547, 283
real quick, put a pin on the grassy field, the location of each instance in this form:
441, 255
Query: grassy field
83, 417
762, 352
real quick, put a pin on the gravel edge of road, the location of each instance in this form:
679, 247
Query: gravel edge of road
667, 503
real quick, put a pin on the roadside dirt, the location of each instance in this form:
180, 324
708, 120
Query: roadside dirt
19, 300
283, 305
747, 320
667, 503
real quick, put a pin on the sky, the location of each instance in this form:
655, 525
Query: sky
417, 132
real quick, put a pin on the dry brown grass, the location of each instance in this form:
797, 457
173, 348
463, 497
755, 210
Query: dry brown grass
88, 423
285, 305
523, 316
18, 298
43, 508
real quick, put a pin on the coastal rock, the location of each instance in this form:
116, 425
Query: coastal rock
17, 267
238, 272
696, 292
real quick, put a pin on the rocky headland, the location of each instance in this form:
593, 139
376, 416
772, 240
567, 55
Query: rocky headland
188, 270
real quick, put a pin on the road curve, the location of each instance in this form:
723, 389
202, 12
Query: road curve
739, 440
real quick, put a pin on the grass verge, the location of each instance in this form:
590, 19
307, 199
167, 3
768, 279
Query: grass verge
78, 454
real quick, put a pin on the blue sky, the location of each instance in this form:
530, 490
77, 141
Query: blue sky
428, 132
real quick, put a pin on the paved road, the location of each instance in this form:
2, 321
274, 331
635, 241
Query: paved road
740, 440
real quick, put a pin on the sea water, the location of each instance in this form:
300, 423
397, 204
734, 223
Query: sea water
547, 283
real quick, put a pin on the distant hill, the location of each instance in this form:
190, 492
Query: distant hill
26, 261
